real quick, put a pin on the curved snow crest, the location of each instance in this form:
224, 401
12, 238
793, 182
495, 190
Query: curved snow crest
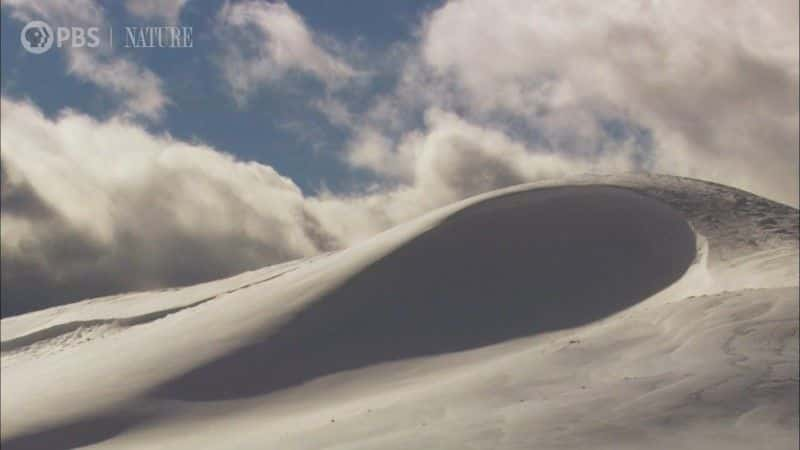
35, 328
734, 221
498, 270
70, 327
206, 351
128, 309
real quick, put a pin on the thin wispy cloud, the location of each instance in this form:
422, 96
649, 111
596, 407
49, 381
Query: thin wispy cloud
168, 10
137, 89
265, 41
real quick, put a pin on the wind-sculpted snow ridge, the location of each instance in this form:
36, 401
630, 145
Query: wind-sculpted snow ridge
599, 312
735, 221
59, 332
495, 271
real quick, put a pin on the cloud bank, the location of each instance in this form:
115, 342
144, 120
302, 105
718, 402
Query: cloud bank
97, 207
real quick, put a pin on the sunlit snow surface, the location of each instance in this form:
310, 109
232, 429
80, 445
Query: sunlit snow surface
579, 314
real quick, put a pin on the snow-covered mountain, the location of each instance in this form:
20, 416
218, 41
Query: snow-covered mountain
598, 312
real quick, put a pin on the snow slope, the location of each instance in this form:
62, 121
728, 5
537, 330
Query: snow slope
596, 312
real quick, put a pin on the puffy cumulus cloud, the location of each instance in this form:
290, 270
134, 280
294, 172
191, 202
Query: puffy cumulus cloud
715, 82
264, 41
97, 207
168, 10
139, 90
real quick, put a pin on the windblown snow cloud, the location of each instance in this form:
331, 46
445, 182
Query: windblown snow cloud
98, 207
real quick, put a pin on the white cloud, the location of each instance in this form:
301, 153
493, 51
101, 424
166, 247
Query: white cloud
335, 111
88, 205
139, 90
63, 13
371, 150
447, 160
266, 40
716, 82
152, 9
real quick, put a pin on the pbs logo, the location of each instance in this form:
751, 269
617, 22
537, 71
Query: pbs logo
36, 37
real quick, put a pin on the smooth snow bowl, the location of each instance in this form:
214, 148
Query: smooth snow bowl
504, 268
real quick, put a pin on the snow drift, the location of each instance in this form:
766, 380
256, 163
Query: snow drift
492, 272
504, 321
